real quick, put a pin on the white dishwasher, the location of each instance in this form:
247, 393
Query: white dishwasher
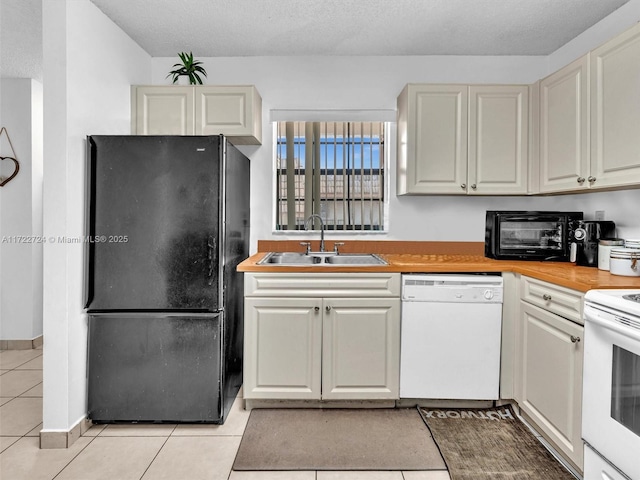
451, 329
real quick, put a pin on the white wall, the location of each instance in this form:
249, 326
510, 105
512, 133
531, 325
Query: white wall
89, 65
21, 211
374, 83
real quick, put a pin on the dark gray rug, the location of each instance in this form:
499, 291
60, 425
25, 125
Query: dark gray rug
490, 444
337, 439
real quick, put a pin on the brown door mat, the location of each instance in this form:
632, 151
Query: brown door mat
337, 439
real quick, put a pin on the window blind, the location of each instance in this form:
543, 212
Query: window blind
334, 169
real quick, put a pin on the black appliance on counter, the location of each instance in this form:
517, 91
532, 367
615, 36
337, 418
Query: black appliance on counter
522, 235
585, 237
168, 222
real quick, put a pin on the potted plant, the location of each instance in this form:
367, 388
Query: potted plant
188, 68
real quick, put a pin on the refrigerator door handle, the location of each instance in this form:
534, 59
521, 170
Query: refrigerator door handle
211, 249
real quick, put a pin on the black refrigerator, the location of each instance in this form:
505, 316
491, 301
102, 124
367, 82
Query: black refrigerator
167, 224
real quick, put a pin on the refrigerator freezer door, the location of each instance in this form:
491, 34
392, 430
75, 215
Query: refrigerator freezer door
154, 368
154, 223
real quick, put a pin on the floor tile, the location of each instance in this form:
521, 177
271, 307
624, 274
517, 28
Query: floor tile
17, 382
2, 372
20, 416
5, 442
35, 432
234, 424
283, 475
122, 458
194, 458
35, 364
24, 460
426, 475
94, 431
137, 430
33, 392
359, 475
10, 359
4, 400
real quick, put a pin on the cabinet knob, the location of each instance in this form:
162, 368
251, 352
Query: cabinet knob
473, 186
580, 180
591, 179
317, 309
463, 186
546, 297
328, 308
575, 339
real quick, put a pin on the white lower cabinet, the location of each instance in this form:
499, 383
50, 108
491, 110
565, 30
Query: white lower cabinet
549, 368
321, 348
361, 348
283, 348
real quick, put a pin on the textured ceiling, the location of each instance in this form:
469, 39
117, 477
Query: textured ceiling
213, 28
21, 39
355, 27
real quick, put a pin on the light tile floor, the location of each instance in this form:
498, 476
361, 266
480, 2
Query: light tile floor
123, 452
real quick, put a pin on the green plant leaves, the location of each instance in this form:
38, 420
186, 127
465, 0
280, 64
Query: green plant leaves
189, 67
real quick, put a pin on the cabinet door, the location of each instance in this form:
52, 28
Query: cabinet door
163, 110
498, 139
564, 129
551, 377
234, 111
282, 348
361, 348
432, 139
615, 111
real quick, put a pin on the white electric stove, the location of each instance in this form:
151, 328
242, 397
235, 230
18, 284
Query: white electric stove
611, 385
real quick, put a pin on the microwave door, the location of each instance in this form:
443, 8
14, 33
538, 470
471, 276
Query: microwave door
530, 236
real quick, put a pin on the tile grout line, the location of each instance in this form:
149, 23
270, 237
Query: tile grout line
14, 397
74, 457
157, 453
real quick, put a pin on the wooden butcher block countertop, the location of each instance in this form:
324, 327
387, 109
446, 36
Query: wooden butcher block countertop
442, 257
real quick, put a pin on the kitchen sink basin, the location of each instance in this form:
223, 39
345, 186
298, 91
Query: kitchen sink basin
355, 259
289, 258
321, 258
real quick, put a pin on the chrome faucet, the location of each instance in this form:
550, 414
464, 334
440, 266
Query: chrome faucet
306, 227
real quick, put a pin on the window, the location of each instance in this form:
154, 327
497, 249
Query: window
334, 169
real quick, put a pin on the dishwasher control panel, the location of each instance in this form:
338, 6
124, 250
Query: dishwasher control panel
458, 288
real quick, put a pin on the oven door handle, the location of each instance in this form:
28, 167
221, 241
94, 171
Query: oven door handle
614, 324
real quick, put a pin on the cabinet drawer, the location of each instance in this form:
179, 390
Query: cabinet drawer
559, 300
322, 284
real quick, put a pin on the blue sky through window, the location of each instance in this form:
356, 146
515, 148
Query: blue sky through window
332, 152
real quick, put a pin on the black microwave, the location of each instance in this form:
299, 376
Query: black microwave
512, 235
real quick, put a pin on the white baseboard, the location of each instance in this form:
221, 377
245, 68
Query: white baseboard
64, 438
21, 344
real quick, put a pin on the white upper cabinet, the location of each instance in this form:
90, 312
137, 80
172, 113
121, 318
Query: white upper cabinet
498, 139
432, 142
564, 128
234, 111
615, 111
456, 139
162, 110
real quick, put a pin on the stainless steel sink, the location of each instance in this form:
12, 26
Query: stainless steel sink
289, 258
321, 258
355, 259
